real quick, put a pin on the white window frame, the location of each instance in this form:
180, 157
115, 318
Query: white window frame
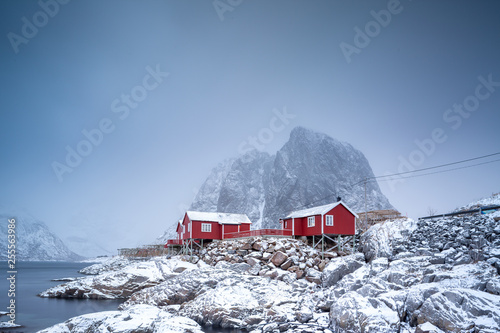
183, 229
329, 220
206, 227
189, 227
311, 221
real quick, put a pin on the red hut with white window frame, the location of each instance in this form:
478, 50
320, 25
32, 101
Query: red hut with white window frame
323, 224
210, 226
320, 223
332, 219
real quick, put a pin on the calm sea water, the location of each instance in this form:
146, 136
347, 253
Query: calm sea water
36, 313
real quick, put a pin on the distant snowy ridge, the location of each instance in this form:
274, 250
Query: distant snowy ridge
34, 240
492, 200
311, 169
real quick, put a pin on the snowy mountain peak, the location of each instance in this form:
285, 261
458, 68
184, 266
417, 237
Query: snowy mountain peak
35, 242
311, 169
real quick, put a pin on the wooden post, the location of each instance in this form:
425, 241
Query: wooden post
339, 244
322, 247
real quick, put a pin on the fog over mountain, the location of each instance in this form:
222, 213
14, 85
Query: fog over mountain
34, 240
311, 169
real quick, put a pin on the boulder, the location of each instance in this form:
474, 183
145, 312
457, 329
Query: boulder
300, 274
278, 258
137, 318
257, 246
120, 283
461, 310
287, 264
221, 297
427, 328
338, 268
313, 275
493, 286
254, 270
252, 261
246, 246
279, 247
355, 313
382, 238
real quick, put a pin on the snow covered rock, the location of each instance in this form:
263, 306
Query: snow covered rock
355, 313
460, 240
221, 297
6, 324
136, 319
262, 256
401, 294
340, 267
415, 280
427, 328
181, 288
278, 258
461, 310
382, 239
118, 283
238, 301
111, 264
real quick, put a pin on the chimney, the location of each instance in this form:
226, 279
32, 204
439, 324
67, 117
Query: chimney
339, 198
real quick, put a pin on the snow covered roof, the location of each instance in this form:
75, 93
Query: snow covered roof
221, 218
319, 210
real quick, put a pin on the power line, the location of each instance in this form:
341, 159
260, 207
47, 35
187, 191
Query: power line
424, 169
437, 166
370, 179
442, 171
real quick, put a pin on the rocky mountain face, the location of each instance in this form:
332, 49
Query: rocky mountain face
34, 240
311, 169
237, 186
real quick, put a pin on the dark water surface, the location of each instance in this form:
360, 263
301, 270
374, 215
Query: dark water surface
36, 313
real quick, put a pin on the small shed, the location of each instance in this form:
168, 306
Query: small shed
210, 225
332, 219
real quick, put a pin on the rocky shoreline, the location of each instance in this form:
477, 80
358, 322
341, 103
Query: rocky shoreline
428, 276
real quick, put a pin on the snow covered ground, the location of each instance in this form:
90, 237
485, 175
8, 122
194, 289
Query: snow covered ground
438, 275
139, 318
488, 201
119, 278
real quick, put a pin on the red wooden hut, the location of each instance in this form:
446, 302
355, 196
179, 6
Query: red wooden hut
332, 219
208, 225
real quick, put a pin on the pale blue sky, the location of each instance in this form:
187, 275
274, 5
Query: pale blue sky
225, 79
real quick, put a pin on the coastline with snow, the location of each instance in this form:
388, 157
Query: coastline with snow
440, 275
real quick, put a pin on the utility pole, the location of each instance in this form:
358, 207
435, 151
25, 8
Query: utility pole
366, 212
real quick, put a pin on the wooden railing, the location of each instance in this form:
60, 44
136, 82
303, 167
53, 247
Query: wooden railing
174, 242
260, 232
242, 234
